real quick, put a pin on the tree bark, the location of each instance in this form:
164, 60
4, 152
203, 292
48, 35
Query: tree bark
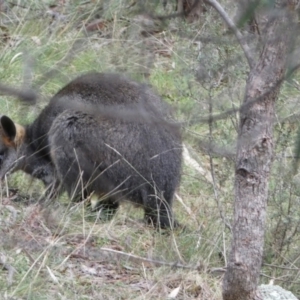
254, 156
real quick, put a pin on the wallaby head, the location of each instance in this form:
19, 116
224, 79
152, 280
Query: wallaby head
12, 136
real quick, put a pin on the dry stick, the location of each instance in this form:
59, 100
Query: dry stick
281, 267
278, 279
135, 258
248, 53
25, 95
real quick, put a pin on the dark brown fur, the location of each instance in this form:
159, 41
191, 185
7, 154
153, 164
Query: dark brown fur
79, 139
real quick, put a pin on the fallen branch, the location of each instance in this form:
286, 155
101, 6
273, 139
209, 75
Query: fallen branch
139, 259
25, 95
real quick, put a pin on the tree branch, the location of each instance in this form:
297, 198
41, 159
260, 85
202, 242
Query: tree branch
139, 259
216, 5
26, 95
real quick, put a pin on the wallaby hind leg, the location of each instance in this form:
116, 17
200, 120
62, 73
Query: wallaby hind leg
53, 191
160, 217
158, 212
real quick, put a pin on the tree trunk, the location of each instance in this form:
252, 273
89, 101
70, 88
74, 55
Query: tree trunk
253, 159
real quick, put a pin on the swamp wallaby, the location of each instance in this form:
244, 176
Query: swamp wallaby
102, 135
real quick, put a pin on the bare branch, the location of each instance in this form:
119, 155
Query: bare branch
28, 95
139, 259
216, 5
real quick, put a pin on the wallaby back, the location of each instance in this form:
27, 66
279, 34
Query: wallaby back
82, 139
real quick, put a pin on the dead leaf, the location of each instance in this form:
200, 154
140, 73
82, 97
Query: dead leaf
174, 293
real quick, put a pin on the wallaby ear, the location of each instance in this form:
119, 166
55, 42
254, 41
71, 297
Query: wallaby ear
12, 133
9, 128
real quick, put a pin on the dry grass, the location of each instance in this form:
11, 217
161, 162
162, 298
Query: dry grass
54, 252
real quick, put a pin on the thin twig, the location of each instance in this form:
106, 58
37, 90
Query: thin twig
281, 267
216, 5
278, 279
25, 95
140, 259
